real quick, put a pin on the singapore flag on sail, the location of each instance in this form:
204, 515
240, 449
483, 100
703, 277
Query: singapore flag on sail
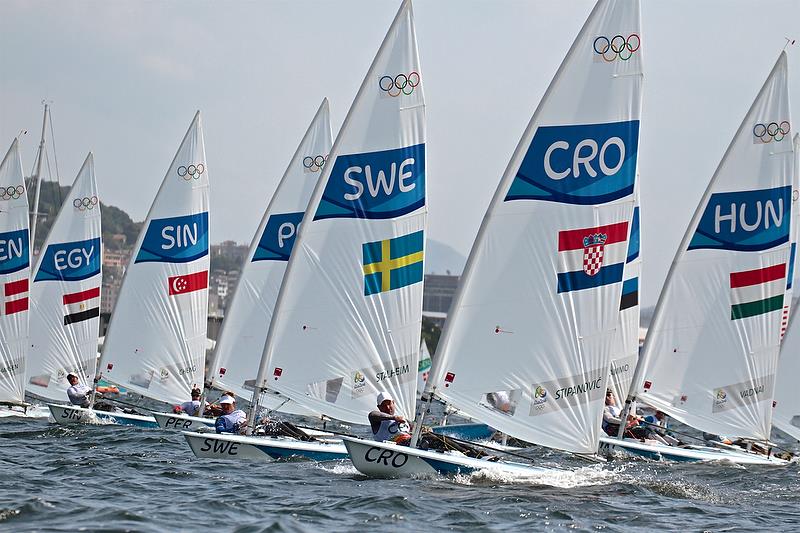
591, 257
188, 283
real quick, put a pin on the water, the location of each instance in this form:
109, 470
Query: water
118, 478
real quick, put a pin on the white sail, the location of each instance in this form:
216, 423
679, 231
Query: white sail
423, 367
155, 344
786, 415
244, 330
65, 296
348, 319
529, 339
712, 350
626, 343
15, 271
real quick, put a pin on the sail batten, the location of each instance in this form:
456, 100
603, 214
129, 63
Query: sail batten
347, 322
529, 339
155, 344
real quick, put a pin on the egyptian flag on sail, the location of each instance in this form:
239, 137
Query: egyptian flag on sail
758, 291
591, 257
80, 306
16, 296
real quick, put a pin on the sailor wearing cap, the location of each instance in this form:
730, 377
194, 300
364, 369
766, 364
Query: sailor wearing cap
192, 407
232, 420
386, 425
78, 393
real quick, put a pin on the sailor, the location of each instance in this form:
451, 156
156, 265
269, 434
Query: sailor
386, 425
232, 420
657, 425
611, 420
78, 393
192, 407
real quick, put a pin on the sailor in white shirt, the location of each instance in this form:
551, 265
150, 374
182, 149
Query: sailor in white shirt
78, 393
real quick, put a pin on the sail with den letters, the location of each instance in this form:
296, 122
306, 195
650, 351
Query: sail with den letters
535, 317
155, 344
348, 319
711, 352
65, 296
15, 270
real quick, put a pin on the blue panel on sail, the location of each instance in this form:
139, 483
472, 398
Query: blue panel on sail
70, 261
277, 241
175, 239
14, 251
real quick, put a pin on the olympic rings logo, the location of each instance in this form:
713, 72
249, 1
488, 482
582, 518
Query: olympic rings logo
11, 192
82, 204
315, 163
400, 84
766, 133
618, 47
191, 171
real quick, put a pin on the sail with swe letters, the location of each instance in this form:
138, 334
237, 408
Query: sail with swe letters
786, 415
65, 297
244, 330
530, 335
14, 276
164, 290
347, 322
712, 350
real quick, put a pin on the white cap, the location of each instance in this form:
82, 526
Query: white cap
383, 396
226, 399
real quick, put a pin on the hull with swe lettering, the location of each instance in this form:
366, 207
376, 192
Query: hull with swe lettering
67, 415
692, 454
234, 447
182, 422
388, 460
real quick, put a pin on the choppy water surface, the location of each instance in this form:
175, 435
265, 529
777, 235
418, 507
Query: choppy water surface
112, 477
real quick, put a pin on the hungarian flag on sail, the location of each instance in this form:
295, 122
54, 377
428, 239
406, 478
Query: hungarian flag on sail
16, 296
80, 306
758, 291
188, 283
591, 257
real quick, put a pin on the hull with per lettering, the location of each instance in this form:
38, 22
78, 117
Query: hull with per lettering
67, 415
388, 460
240, 447
171, 421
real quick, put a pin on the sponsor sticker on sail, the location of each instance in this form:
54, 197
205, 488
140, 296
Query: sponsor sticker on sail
591, 257
758, 291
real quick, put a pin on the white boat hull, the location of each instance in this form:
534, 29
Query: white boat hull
182, 422
235, 447
388, 460
69, 415
33, 411
662, 452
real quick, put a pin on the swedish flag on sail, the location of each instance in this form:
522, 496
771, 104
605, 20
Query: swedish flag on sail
393, 263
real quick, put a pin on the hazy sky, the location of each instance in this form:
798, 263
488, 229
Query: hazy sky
126, 77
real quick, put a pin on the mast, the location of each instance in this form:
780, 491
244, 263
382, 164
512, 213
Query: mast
38, 177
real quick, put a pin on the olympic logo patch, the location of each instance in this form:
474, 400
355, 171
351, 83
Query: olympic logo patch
12, 193
400, 84
314, 163
191, 171
617, 47
774, 131
87, 202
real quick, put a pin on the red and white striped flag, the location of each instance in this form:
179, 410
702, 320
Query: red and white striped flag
16, 296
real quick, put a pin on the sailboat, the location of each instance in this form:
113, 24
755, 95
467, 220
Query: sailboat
65, 294
711, 353
244, 330
786, 414
528, 342
155, 343
347, 322
14, 276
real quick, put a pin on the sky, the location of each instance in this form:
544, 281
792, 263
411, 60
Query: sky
125, 78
